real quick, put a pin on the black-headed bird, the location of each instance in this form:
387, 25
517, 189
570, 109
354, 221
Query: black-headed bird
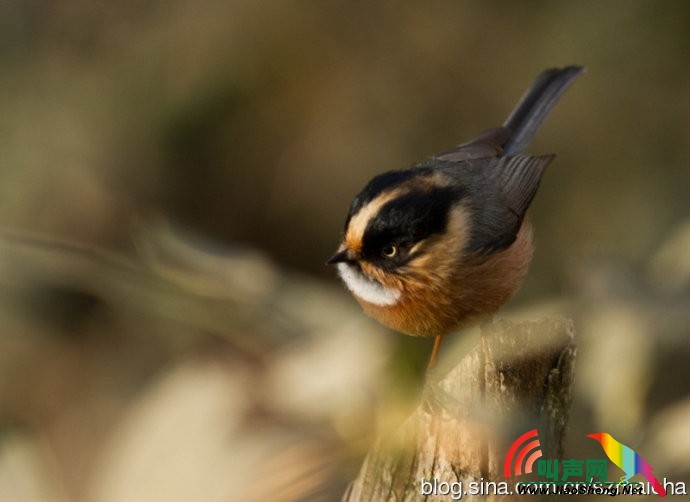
429, 249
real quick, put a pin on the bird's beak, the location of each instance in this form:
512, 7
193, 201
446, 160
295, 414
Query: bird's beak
339, 257
596, 436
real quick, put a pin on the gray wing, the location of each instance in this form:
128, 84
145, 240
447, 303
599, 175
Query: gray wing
498, 193
519, 178
487, 144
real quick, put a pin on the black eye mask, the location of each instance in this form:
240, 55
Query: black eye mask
384, 182
406, 220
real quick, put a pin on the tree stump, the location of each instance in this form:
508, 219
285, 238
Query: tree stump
517, 379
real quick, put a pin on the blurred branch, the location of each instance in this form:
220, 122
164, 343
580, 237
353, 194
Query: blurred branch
30, 262
520, 375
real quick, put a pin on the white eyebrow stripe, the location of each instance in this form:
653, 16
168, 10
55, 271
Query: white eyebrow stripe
367, 289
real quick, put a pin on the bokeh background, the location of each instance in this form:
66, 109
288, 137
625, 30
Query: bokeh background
174, 174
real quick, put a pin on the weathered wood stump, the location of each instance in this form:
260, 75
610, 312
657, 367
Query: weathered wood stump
518, 378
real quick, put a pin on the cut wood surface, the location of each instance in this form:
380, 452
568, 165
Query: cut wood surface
518, 378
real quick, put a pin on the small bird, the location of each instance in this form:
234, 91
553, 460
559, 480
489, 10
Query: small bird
628, 460
432, 248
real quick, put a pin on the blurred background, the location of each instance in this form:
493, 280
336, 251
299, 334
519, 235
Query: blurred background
173, 176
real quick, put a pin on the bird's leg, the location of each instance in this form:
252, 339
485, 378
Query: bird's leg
434, 353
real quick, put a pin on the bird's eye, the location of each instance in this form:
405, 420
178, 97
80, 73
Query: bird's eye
389, 251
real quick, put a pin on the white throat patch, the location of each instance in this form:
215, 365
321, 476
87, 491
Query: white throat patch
367, 289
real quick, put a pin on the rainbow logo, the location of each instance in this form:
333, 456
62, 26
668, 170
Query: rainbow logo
529, 451
628, 460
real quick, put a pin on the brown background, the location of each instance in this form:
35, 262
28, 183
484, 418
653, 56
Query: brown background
173, 134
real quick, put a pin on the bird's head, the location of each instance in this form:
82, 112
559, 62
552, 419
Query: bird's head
397, 236
597, 436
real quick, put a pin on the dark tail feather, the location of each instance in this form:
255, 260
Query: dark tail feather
656, 484
535, 105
